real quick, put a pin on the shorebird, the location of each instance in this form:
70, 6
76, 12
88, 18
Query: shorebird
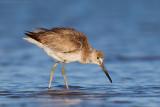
66, 45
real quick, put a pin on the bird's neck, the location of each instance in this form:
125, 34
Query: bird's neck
86, 56
90, 56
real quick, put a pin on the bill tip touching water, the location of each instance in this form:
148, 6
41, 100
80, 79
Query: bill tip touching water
66, 45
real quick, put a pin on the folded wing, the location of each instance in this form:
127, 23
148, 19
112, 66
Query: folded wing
60, 39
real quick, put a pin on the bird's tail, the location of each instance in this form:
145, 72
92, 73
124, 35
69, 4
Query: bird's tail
32, 35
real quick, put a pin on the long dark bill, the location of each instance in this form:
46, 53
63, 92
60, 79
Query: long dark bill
105, 71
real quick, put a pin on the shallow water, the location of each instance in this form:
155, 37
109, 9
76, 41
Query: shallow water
126, 31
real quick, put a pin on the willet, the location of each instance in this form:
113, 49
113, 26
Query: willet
66, 45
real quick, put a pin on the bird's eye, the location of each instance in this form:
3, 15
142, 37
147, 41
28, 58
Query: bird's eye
97, 57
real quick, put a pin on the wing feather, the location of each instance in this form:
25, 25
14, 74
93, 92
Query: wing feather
60, 39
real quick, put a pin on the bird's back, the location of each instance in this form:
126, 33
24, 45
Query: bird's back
62, 40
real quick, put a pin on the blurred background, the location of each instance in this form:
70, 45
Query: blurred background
127, 31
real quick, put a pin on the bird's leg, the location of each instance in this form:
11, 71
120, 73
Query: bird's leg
64, 76
53, 68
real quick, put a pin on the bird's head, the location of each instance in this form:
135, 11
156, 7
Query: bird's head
97, 58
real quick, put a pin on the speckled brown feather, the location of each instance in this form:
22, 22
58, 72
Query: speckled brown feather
64, 40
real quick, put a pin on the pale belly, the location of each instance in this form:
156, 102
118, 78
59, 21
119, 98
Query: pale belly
61, 57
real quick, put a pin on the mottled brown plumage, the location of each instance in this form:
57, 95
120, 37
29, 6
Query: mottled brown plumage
66, 40
66, 45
